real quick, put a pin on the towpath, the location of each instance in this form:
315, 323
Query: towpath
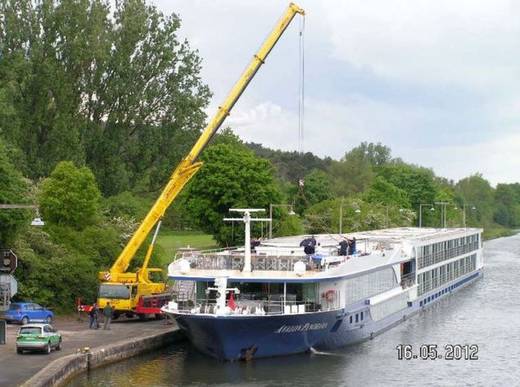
16, 369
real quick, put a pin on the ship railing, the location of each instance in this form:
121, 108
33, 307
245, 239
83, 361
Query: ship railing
258, 308
187, 254
258, 262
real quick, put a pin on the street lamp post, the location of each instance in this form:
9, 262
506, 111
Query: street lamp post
341, 216
37, 221
271, 206
443, 212
358, 211
420, 211
473, 208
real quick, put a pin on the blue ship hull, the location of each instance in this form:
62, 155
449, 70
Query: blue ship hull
245, 337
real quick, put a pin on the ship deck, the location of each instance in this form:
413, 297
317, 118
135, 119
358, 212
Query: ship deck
352, 267
390, 235
275, 258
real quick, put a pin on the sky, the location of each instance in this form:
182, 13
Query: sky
436, 81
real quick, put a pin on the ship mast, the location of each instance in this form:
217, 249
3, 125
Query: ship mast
247, 219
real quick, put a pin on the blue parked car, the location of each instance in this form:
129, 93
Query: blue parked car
26, 312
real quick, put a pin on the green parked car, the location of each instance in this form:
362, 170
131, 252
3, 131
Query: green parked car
42, 337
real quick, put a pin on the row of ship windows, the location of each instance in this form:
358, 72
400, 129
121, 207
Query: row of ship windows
357, 317
445, 245
436, 277
441, 251
442, 292
434, 296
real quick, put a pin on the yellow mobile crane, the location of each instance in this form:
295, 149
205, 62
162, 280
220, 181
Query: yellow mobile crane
125, 289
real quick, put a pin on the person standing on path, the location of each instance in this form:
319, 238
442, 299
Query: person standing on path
93, 317
107, 314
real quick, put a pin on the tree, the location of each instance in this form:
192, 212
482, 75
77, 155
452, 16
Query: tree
112, 86
352, 174
232, 176
507, 198
13, 190
384, 192
417, 182
316, 188
70, 196
291, 166
376, 154
477, 192
289, 225
52, 274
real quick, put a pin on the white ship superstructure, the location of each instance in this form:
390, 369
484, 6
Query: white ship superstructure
279, 300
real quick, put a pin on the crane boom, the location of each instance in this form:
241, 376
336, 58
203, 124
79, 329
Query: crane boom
188, 166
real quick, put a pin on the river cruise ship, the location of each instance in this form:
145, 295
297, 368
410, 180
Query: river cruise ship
276, 300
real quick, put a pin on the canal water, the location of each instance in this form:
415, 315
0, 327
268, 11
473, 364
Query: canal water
485, 313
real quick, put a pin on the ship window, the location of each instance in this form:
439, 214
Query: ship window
357, 317
350, 319
361, 316
428, 299
420, 303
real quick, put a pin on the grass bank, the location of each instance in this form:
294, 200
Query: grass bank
497, 232
170, 241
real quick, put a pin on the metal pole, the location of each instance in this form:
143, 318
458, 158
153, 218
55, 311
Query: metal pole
271, 222
14, 206
443, 213
247, 243
341, 216
420, 215
284, 295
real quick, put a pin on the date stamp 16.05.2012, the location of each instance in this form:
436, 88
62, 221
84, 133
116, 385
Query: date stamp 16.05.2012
436, 352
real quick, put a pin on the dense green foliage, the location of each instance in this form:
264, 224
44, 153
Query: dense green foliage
232, 177
53, 274
114, 88
369, 174
291, 165
102, 94
13, 190
70, 196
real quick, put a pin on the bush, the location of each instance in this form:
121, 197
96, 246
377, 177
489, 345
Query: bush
51, 274
70, 196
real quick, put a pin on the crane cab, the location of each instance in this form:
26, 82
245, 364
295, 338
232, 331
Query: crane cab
124, 297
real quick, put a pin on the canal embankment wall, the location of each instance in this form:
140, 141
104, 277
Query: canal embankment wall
63, 369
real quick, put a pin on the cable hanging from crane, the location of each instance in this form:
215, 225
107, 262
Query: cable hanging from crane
301, 84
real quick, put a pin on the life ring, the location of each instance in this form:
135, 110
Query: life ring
330, 295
